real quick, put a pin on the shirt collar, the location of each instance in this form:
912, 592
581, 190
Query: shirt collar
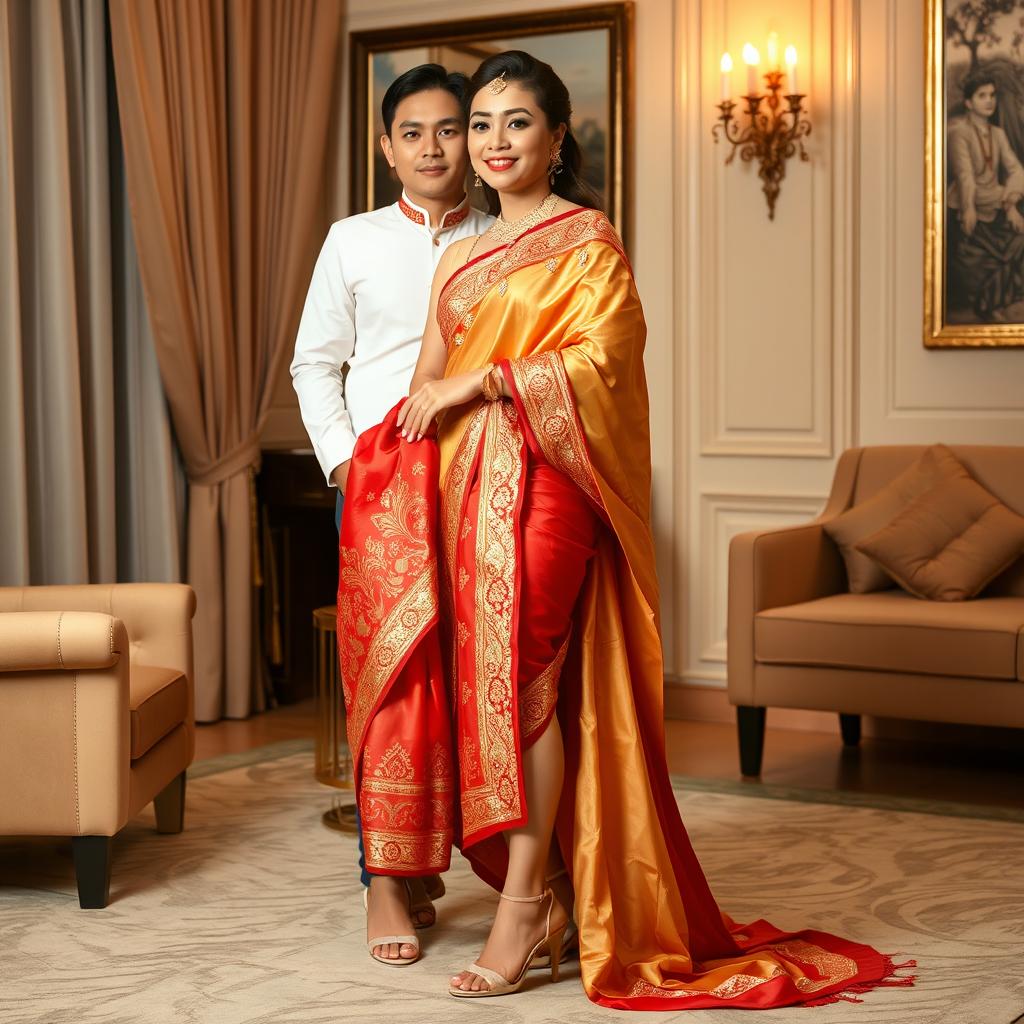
418, 215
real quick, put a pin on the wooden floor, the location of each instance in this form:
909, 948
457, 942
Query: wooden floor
965, 772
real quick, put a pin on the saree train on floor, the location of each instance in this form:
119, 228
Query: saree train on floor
507, 567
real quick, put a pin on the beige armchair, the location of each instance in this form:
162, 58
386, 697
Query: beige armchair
798, 639
96, 715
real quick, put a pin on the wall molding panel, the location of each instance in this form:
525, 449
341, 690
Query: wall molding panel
722, 517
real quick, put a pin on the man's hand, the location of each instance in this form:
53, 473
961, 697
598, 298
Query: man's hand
339, 476
1015, 220
969, 219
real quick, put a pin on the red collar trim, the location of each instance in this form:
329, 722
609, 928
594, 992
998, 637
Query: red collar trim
451, 218
413, 214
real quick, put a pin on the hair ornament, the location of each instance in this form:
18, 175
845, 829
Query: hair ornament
497, 85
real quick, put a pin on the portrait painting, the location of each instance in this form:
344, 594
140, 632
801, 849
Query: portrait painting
974, 218
587, 46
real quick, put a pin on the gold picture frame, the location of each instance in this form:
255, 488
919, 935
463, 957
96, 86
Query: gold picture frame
590, 47
967, 276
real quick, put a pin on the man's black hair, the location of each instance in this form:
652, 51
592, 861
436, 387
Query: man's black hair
973, 82
421, 79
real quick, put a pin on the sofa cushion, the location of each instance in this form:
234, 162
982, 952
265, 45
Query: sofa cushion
937, 463
949, 543
159, 702
894, 632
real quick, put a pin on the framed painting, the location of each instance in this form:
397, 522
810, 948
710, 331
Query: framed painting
589, 47
974, 155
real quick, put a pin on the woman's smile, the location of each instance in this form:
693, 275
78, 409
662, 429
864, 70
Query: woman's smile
500, 163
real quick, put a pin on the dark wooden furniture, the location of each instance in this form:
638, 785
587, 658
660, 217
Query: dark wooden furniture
299, 565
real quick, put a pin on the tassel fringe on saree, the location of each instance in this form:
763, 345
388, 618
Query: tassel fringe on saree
441, 656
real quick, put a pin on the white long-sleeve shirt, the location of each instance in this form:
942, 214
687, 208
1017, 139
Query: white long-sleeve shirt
366, 307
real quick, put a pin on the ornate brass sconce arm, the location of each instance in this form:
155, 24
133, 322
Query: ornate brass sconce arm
770, 136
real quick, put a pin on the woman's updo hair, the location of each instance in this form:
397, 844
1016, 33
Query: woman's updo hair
553, 98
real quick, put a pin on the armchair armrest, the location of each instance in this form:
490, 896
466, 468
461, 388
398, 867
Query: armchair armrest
53, 640
771, 569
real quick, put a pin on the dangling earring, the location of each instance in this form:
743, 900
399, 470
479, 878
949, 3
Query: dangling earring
477, 183
555, 165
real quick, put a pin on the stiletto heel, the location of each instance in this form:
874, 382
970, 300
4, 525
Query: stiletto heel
501, 986
570, 940
555, 945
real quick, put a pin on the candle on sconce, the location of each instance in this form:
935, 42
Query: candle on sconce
791, 69
773, 51
726, 68
751, 58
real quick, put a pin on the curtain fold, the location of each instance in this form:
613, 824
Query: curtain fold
63, 483
224, 107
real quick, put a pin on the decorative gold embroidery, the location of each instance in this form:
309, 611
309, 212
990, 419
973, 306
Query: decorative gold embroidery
463, 633
425, 852
552, 265
419, 469
414, 215
544, 389
404, 566
497, 798
538, 698
463, 577
502, 287
468, 320
834, 967
582, 256
370, 497
467, 529
733, 986
458, 339
454, 487
468, 285
406, 822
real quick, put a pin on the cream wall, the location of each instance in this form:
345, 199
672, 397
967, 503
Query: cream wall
772, 345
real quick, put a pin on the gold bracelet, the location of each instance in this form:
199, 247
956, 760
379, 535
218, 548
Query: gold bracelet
495, 378
487, 387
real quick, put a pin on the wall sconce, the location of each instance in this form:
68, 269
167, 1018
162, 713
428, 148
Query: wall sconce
769, 136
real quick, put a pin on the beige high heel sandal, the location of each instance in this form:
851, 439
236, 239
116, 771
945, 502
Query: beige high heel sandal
570, 942
501, 986
385, 940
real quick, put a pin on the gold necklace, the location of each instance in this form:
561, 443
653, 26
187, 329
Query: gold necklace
509, 230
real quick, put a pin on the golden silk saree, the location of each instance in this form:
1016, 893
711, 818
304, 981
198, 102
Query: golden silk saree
558, 310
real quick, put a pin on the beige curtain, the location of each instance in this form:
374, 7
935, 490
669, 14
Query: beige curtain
65, 284
224, 109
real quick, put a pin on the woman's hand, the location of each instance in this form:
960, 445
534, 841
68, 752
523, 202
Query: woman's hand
434, 397
969, 219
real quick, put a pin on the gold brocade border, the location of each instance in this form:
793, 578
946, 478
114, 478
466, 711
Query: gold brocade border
400, 628
453, 499
468, 285
425, 853
834, 967
544, 389
501, 469
537, 699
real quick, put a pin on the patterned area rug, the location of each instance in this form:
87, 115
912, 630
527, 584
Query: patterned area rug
253, 916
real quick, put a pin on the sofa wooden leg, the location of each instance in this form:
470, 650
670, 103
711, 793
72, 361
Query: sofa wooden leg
169, 805
750, 726
849, 726
92, 870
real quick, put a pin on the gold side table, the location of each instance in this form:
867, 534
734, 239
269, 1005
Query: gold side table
333, 765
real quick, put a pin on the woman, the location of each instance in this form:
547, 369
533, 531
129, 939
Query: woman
532, 357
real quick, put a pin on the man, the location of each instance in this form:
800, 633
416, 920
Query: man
365, 310
986, 248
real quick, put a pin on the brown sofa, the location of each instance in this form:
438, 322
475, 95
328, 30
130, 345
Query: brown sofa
96, 715
798, 639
